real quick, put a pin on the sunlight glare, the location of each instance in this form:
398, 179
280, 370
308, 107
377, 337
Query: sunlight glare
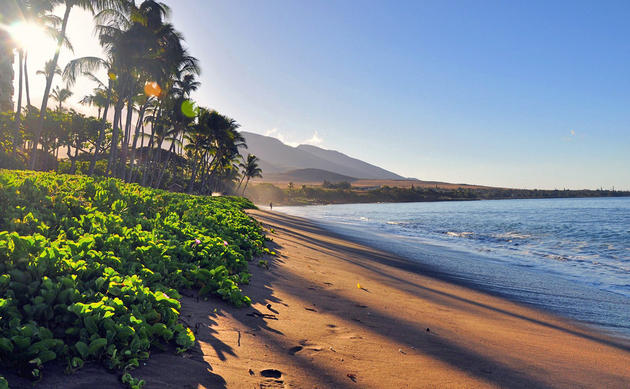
29, 36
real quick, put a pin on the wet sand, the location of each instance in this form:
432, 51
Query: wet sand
329, 313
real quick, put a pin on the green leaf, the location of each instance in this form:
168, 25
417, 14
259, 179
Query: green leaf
82, 348
47, 355
6, 345
96, 345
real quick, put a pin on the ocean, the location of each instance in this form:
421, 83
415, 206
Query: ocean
568, 256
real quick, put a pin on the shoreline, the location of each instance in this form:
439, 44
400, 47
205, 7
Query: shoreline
498, 277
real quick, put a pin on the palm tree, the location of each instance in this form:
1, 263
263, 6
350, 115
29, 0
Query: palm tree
50, 69
87, 66
98, 99
90, 5
250, 170
60, 95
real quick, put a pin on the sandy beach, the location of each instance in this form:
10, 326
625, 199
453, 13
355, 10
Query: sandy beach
400, 329
329, 313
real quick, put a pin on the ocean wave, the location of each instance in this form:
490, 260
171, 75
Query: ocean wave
464, 234
511, 235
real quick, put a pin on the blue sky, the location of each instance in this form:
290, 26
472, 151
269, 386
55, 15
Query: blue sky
519, 94
529, 94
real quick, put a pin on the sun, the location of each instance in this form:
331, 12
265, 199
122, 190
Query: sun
29, 36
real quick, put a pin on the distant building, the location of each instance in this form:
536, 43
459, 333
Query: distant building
6, 72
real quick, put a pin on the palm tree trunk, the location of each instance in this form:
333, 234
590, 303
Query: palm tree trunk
193, 174
18, 111
147, 154
132, 158
101, 132
114, 146
148, 161
171, 150
204, 174
240, 183
125, 140
245, 187
49, 80
27, 88
158, 159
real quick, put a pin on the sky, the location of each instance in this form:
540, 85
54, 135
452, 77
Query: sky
527, 94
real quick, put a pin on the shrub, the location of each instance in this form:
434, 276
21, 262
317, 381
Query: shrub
90, 268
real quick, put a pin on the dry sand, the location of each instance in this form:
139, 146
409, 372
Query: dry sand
334, 314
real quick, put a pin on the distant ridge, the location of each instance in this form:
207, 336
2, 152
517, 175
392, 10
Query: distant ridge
277, 157
307, 176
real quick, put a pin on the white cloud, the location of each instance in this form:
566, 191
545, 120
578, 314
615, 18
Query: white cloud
274, 132
314, 140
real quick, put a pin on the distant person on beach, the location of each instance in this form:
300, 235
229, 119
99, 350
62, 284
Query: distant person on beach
270, 206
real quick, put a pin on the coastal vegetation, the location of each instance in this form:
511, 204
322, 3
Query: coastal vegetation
91, 269
344, 192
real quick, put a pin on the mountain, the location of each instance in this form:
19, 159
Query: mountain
277, 157
307, 176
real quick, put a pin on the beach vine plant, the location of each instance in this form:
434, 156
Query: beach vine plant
90, 268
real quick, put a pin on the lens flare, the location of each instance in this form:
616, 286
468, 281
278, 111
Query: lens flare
189, 109
152, 89
28, 36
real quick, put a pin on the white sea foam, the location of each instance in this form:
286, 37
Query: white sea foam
464, 234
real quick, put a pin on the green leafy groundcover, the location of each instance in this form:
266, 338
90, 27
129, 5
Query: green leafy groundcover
90, 268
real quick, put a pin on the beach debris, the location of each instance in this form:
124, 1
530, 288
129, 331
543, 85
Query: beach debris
428, 330
361, 306
332, 349
401, 351
251, 372
271, 309
239, 337
295, 349
310, 309
358, 286
271, 373
352, 376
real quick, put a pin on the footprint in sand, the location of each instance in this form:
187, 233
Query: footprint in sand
273, 380
310, 346
295, 349
271, 373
